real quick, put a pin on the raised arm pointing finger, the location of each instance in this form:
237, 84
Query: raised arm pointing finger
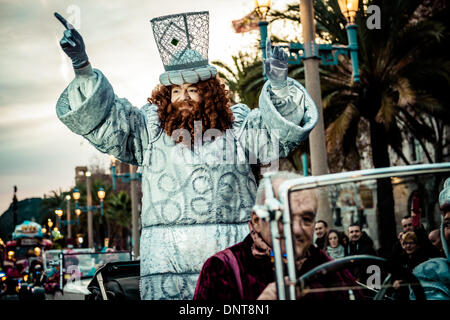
72, 44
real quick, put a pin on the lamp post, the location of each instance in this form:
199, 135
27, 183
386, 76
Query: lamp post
349, 9
101, 195
311, 53
89, 207
79, 240
69, 227
319, 161
58, 213
78, 212
76, 196
262, 7
89, 211
132, 177
15, 207
50, 225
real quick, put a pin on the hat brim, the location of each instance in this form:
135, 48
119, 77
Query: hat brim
192, 75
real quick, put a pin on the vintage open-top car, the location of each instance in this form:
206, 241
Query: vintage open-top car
377, 200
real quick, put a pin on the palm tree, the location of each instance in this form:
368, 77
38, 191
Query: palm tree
118, 216
55, 200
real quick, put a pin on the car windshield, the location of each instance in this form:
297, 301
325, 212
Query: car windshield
51, 257
84, 265
386, 216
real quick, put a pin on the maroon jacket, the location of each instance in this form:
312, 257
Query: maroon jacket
217, 281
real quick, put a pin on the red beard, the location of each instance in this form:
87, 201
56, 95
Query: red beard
182, 115
212, 113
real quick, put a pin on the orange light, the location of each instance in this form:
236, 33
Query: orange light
349, 9
101, 193
37, 251
262, 7
76, 194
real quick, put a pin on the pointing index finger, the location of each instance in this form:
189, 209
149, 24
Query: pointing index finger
61, 19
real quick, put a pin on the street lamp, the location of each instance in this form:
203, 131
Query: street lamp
262, 7
89, 207
59, 213
68, 214
37, 251
327, 53
11, 254
78, 212
132, 177
76, 194
349, 9
50, 224
101, 195
80, 240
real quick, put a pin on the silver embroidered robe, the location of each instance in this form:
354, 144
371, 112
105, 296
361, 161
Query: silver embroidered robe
195, 203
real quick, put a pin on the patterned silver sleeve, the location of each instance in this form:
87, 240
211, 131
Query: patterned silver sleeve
109, 123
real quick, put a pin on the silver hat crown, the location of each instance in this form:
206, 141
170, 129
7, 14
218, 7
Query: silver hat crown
182, 39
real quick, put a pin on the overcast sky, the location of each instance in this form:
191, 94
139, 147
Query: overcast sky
38, 153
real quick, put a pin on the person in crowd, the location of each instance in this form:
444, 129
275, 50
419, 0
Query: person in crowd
333, 244
360, 242
194, 148
435, 238
419, 229
412, 224
344, 239
412, 254
407, 225
245, 271
321, 229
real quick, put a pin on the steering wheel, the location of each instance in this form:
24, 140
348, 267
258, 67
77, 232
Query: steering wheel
346, 262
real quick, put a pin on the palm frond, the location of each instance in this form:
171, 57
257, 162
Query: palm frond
335, 132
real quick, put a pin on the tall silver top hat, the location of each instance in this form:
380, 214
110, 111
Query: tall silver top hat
183, 41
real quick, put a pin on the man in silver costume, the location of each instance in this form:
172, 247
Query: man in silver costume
197, 195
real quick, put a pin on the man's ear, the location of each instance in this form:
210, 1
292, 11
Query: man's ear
256, 222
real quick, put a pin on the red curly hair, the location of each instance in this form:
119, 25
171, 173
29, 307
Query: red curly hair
214, 109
